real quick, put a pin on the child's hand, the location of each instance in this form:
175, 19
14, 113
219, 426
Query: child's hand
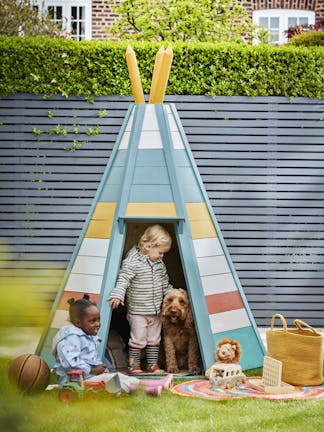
115, 302
99, 369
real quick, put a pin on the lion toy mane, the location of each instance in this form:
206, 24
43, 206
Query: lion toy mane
227, 351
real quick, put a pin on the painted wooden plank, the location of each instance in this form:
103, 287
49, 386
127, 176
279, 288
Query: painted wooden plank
202, 229
230, 320
104, 211
150, 193
150, 122
89, 265
190, 194
207, 247
61, 318
153, 209
99, 229
218, 283
213, 265
94, 247
150, 140
86, 283
150, 157
197, 211
223, 302
151, 175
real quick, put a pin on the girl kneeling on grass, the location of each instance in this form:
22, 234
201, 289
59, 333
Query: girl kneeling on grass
76, 346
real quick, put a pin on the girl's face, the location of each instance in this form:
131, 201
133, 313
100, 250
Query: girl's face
157, 252
90, 322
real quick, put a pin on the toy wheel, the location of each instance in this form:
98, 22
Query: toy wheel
67, 395
92, 395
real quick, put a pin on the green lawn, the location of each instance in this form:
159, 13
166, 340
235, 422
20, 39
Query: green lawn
139, 412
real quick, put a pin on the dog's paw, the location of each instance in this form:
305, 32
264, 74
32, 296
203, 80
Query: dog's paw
173, 369
195, 370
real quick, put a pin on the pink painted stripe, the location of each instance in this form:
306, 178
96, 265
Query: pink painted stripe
224, 302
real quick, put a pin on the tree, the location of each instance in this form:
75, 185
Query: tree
181, 20
19, 18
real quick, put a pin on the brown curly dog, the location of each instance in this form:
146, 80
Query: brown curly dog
179, 334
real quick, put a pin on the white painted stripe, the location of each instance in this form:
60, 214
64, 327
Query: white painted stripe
89, 265
61, 318
130, 122
212, 265
90, 284
230, 320
124, 141
150, 121
217, 284
207, 247
172, 123
94, 247
177, 140
150, 139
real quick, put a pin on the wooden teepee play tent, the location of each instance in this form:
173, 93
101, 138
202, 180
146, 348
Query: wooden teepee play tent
152, 177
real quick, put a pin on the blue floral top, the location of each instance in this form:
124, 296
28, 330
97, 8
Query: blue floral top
74, 349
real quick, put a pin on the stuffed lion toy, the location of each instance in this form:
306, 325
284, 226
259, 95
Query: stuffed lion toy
227, 351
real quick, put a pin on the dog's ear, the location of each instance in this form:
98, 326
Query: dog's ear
189, 322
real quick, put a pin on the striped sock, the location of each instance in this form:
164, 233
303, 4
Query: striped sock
152, 352
134, 356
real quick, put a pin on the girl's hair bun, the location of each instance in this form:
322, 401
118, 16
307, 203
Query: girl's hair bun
71, 301
86, 296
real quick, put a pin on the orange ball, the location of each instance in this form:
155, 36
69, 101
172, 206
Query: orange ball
30, 373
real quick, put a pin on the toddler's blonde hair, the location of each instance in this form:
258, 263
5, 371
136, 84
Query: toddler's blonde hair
154, 235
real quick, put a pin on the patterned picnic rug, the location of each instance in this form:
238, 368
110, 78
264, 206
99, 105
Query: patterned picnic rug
202, 389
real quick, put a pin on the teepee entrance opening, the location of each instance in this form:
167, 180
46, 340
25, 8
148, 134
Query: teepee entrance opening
119, 328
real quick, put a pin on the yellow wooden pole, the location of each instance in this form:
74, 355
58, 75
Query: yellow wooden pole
156, 73
162, 76
134, 76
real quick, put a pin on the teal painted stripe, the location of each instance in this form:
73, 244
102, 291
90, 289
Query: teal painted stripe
151, 193
147, 175
120, 159
150, 157
180, 158
191, 194
188, 185
218, 230
116, 175
39, 350
111, 193
252, 352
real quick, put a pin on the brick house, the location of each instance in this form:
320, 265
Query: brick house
89, 18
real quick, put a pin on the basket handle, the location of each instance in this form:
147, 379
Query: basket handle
300, 324
281, 317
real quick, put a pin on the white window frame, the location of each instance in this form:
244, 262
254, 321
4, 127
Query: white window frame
67, 12
283, 15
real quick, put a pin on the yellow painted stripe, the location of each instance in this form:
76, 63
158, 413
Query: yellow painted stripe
200, 222
104, 211
99, 229
102, 220
202, 229
197, 211
151, 209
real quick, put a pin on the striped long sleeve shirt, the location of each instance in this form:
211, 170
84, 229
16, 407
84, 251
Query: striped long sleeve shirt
142, 284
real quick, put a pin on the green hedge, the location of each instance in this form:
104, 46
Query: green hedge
59, 66
308, 39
